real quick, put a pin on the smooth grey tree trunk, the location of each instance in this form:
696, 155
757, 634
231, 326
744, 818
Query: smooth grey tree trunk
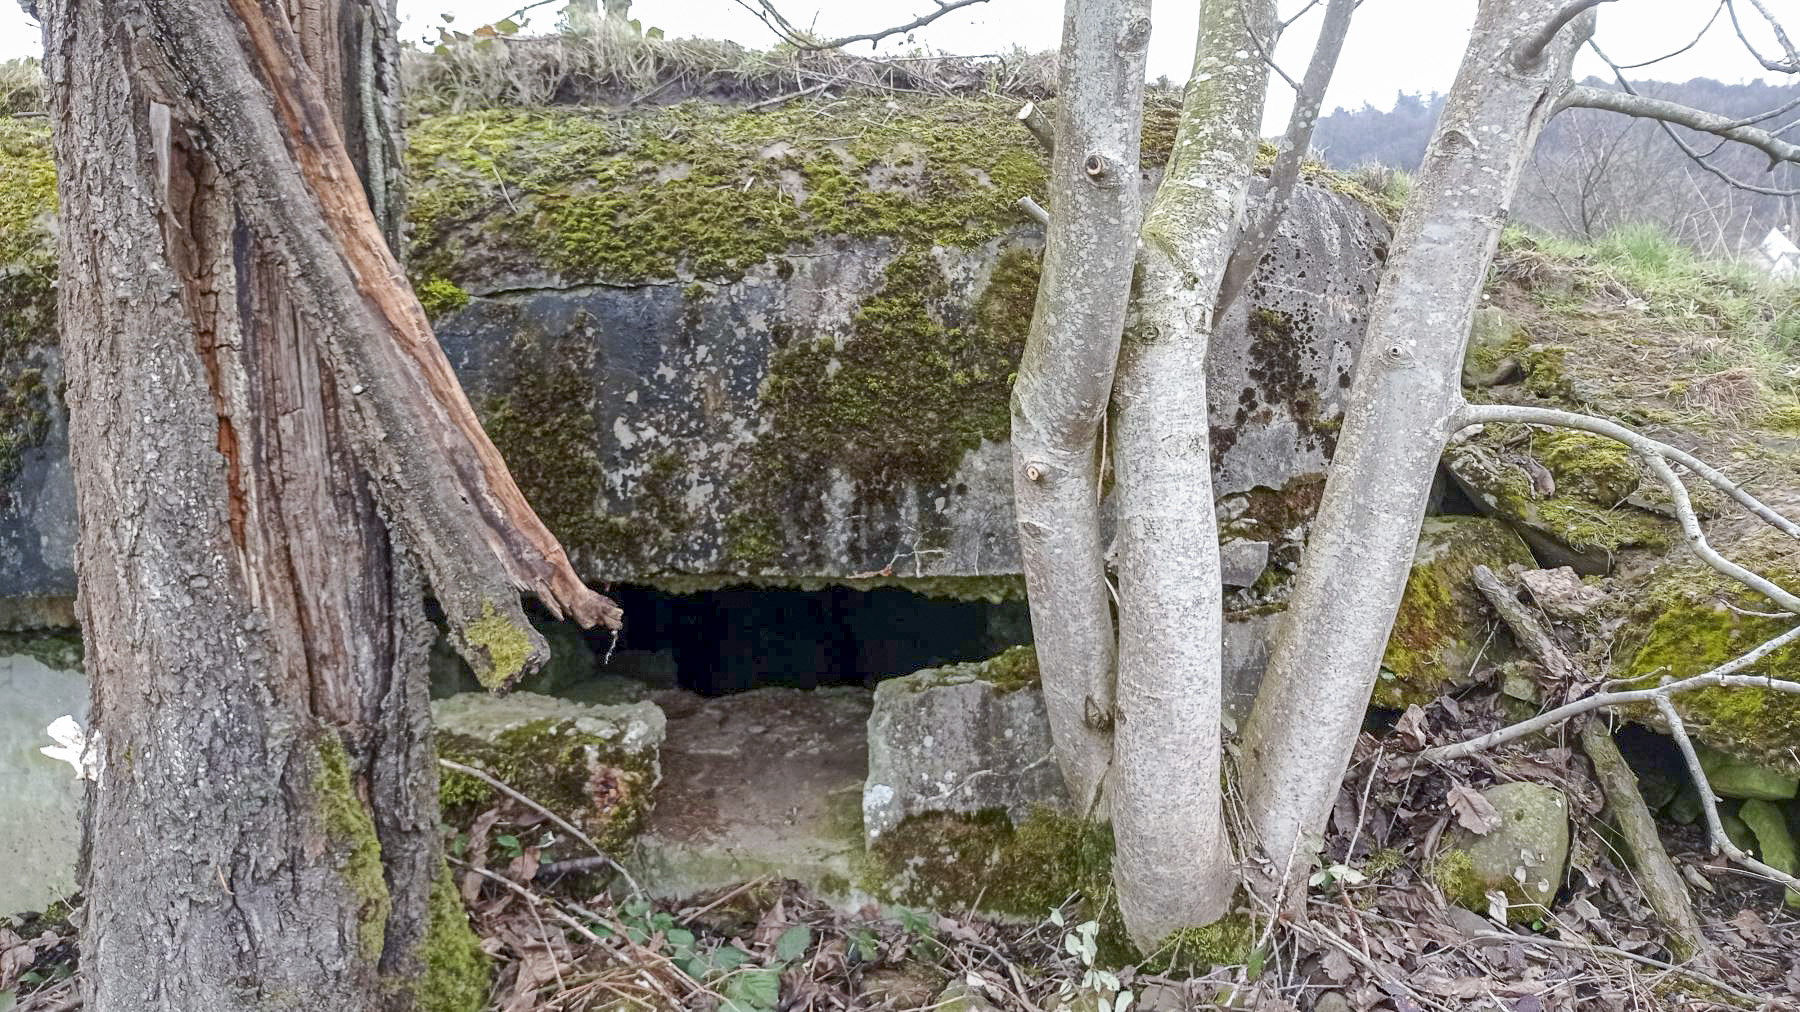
1174, 866
1328, 649
1065, 377
263, 830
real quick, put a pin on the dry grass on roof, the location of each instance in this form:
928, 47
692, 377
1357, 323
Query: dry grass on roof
613, 67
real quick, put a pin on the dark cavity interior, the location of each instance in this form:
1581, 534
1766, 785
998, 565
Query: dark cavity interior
738, 638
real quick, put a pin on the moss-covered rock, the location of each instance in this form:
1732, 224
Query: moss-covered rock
596, 766
1442, 623
1684, 618
1523, 856
1774, 840
1564, 491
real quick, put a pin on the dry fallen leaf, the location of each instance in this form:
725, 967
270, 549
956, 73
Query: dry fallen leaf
1411, 727
1473, 812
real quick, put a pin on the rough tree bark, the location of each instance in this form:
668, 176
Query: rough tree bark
1065, 376
239, 346
1328, 649
1174, 867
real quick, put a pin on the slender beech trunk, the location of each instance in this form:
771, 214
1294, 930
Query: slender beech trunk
263, 829
1065, 376
1328, 649
1174, 866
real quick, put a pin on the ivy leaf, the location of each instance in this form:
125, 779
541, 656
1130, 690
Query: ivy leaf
654, 33
754, 989
793, 943
506, 26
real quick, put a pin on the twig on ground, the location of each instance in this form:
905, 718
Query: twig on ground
497, 784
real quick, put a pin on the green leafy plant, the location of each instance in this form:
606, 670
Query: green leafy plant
1081, 941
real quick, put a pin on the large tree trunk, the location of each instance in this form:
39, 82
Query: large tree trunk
1065, 377
1174, 865
1328, 649
262, 832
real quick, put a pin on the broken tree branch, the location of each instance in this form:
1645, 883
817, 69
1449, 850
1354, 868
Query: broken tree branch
434, 470
1657, 874
1721, 841
1532, 49
1035, 120
1661, 882
1286, 173
769, 15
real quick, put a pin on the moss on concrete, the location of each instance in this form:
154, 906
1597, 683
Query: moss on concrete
710, 190
351, 831
947, 860
61, 649
1583, 513
584, 776
440, 297
27, 292
1442, 621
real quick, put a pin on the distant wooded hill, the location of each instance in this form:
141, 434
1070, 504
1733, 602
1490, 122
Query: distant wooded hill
1595, 171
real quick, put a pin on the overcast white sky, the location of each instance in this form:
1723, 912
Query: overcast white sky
1394, 45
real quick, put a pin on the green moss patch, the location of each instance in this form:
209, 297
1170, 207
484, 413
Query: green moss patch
948, 861
456, 969
351, 830
1441, 626
27, 292
583, 768
1688, 619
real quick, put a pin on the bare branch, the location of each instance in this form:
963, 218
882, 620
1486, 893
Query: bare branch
1297, 16
1725, 675
768, 14
1476, 414
1688, 149
1721, 841
1286, 173
1531, 50
1035, 210
1691, 43
1789, 66
1643, 106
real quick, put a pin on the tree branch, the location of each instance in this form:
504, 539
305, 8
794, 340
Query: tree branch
1691, 43
1034, 120
1476, 414
1791, 65
434, 470
768, 14
1721, 840
1725, 675
1645, 107
1286, 173
1688, 149
1532, 49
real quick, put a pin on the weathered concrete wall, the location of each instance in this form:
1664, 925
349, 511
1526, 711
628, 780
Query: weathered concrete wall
715, 343
40, 799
